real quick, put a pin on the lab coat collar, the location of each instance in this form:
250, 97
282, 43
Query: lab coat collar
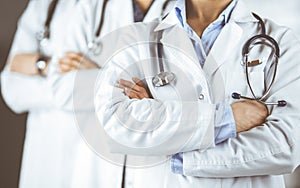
223, 47
176, 37
240, 14
168, 21
228, 39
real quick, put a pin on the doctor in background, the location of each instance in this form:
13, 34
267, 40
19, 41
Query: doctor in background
213, 42
74, 59
48, 155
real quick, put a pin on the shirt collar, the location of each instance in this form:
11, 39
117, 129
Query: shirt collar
180, 11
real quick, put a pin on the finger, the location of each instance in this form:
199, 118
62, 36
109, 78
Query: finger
143, 87
129, 84
131, 93
126, 83
121, 86
142, 93
138, 82
69, 62
85, 63
135, 94
118, 85
74, 55
65, 68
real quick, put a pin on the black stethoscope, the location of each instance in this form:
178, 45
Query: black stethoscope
166, 77
96, 46
245, 53
163, 78
44, 35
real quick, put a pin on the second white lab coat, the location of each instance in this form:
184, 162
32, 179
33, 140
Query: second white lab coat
256, 158
95, 166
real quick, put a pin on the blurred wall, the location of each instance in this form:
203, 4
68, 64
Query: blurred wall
13, 126
282, 12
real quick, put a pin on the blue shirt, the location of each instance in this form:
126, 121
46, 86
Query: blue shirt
224, 121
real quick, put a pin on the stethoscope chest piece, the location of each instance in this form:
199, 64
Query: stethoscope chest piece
95, 47
163, 78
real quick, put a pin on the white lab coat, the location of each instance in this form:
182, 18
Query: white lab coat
92, 167
256, 158
47, 156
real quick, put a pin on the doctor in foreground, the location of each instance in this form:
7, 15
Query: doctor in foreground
207, 51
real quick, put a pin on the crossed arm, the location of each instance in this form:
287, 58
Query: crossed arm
247, 114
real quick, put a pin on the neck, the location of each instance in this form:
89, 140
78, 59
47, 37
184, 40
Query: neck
144, 4
201, 13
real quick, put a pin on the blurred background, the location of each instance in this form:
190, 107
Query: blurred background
13, 126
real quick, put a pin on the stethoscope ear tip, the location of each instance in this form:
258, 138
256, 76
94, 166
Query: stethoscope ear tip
236, 95
282, 103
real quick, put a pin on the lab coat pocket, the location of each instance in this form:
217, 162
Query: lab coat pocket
257, 83
236, 82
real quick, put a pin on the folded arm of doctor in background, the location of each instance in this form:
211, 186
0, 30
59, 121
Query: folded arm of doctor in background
89, 26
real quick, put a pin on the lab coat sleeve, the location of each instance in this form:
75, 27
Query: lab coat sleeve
149, 126
25, 93
65, 85
21, 92
74, 91
271, 149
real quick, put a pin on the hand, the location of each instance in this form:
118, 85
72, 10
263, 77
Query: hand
24, 64
134, 90
248, 114
75, 61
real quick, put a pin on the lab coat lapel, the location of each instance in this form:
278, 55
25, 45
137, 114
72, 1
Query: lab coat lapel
226, 42
176, 37
228, 39
223, 47
130, 8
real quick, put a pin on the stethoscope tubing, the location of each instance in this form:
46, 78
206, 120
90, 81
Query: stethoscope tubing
245, 54
94, 45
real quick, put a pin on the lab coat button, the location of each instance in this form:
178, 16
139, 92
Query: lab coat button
201, 96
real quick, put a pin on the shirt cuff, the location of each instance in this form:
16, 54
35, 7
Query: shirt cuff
177, 163
225, 127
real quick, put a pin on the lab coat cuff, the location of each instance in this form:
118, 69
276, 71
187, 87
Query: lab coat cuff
25, 93
203, 136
